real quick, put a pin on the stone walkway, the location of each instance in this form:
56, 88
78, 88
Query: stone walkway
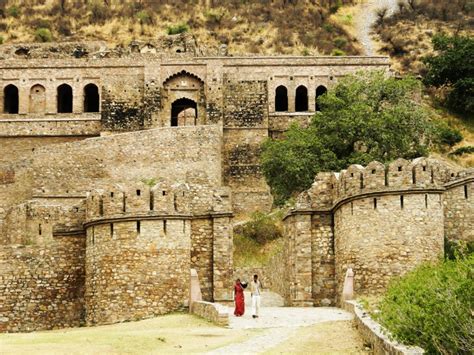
278, 324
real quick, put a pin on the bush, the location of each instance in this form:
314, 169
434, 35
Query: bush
261, 228
99, 12
328, 27
340, 42
463, 150
447, 135
338, 52
144, 17
177, 29
1, 39
431, 307
40, 23
13, 11
43, 35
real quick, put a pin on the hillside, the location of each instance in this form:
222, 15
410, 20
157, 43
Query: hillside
263, 27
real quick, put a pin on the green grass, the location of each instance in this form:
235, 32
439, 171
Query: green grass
247, 252
172, 333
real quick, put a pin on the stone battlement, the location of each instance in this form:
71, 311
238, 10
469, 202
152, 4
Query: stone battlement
331, 189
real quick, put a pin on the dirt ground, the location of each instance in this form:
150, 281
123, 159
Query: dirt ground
183, 333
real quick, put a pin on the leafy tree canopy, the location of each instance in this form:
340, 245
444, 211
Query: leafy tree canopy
453, 67
367, 116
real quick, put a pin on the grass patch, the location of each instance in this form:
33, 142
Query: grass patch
247, 252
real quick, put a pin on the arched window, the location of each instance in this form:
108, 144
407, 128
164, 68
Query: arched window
10, 99
64, 98
183, 113
37, 99
281, 99
91, 98
320, 90
301, 99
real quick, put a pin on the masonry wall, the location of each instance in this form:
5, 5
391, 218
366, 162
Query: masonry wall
459, 210
42, 285
378, 238
135, 274
70, 169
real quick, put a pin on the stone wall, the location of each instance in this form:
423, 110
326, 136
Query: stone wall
42, 285
70, 169
213, 312
381, 221
459, 209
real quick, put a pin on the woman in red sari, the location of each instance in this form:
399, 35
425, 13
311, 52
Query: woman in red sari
239, 299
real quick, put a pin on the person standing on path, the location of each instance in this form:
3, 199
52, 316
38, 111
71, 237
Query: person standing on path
255, 290
239, 299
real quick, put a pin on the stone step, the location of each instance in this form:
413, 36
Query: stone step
268, 299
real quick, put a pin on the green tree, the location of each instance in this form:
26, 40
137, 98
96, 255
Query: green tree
367, 116
453, 67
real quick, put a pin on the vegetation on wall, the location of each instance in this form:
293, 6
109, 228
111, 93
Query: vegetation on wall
452, 69
431, 307
367, 116
268, 26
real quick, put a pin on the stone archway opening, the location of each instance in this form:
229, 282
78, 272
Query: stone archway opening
183, 112
10, 99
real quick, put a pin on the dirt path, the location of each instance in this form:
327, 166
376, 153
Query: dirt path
296, 330
366, 18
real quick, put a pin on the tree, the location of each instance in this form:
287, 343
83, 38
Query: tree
367, 116
453, 68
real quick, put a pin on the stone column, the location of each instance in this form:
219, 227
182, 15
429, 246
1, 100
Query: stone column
222, 256
301, 285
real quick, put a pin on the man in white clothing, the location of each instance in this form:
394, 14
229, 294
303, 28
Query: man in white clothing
255, 290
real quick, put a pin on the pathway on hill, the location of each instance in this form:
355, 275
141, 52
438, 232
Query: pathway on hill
322, 329
366, 18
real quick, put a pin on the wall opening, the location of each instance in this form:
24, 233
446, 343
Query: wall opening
426, 201
413, 175
10, 99
91, 98
64, 98
111, 229
152, 201
320, 90
361, 180
402, 202
37, 102
465, 192
164, 226
138, 227
301, 99
281, 99
375, 203
183, 113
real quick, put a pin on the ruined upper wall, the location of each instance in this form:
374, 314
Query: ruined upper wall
60, 172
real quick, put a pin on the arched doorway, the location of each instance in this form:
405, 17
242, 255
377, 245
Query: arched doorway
183, 112
301, 99
281, 99
64, 98
91, 98
320, 90
10, 99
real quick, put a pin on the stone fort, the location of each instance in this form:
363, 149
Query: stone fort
122, 170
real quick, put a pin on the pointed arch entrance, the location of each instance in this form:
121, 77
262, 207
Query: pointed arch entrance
183, 100
183, 112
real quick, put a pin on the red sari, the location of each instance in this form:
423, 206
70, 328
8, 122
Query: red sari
239, 300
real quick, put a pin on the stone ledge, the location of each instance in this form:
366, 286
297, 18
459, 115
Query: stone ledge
374, 334
213, 312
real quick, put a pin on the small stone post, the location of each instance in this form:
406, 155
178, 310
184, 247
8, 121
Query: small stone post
194, 289
348, 289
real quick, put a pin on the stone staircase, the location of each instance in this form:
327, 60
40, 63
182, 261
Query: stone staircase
268, 299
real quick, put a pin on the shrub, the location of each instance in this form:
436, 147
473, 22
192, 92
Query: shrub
447, 135
99, 12
13, 11
338, 52
1, 39
261, 228
340, 42
432, 307
463, 150
328, 27
43, 35
177, 29
40, 23
144, 17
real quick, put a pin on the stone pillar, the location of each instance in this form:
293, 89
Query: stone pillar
222, 256
323, 265
301, 283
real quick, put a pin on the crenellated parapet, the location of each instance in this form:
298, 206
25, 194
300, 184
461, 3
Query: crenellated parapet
330, 189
